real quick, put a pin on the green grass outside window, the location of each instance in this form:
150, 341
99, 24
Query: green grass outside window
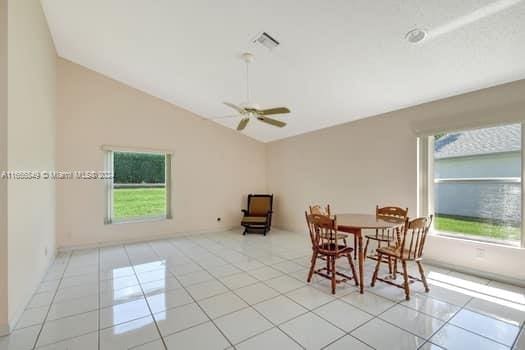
130, 203
478, 228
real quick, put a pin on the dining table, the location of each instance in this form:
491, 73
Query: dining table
354, 224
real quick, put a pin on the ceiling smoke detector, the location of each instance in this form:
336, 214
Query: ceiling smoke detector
416, 35
266, 40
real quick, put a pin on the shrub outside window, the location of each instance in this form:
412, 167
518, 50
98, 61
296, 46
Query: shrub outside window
140, 189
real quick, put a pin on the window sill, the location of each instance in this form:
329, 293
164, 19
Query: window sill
470, 239
138, 220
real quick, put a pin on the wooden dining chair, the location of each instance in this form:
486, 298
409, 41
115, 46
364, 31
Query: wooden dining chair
385, 236
323, 234
317, 209
409, 245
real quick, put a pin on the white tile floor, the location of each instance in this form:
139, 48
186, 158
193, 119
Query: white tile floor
228, 291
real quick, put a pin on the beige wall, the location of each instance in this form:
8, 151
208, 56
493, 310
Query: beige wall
213, 167
31, 146
3, 166
357, 165
353, 166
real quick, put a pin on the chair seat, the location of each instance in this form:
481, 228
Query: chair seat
395, 252
254, 220
330, 249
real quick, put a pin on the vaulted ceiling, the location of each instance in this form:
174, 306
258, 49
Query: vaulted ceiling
337, 61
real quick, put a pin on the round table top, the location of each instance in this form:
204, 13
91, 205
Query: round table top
366, 221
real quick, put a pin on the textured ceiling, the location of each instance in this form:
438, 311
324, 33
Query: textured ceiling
338, 61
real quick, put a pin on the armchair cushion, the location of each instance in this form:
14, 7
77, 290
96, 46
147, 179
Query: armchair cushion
254, 220
260, 206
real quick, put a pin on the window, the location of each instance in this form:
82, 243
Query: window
475, 188
140, 189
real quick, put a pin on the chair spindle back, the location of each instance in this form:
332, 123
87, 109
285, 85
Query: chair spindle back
317, 209
393, 212
413, 238
390, 212
325, 233
314, 234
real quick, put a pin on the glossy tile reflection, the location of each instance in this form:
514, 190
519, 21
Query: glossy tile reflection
227, 291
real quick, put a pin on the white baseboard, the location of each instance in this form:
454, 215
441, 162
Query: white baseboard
143, 239
478, 273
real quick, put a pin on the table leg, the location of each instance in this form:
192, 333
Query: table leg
355, 247
361, 262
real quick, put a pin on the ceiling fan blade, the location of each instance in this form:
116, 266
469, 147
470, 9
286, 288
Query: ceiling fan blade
225, 117
270, 111
242, 124
271, 121
237, 108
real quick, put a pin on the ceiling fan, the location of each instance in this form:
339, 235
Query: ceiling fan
248, 110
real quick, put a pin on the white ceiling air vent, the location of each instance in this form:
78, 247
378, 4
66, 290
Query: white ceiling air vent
266, 40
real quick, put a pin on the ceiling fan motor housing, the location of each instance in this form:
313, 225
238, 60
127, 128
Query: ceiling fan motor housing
250, 105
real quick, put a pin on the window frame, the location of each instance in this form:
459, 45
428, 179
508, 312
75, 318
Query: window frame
109, 166
425, 184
